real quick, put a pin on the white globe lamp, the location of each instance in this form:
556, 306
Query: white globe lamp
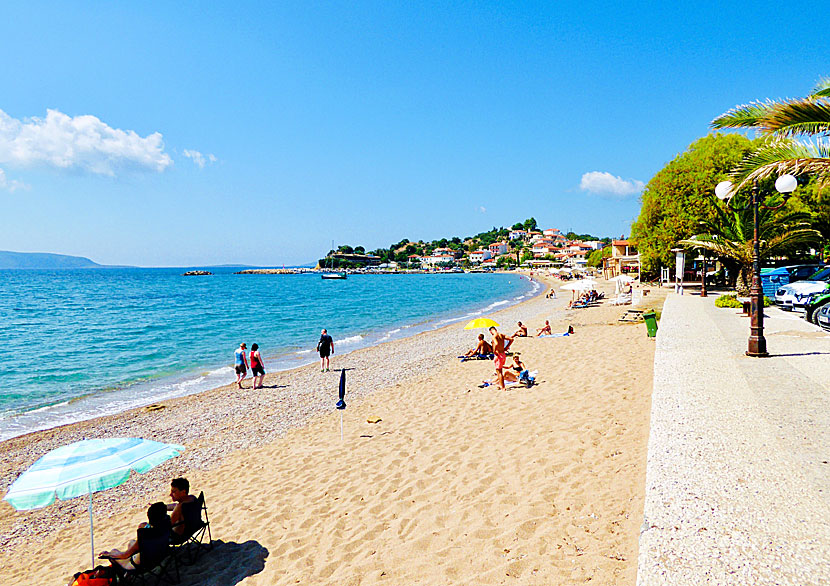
723, 190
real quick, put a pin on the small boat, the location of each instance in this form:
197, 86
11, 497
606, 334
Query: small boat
332, 274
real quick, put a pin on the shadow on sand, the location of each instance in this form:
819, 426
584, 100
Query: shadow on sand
227, 564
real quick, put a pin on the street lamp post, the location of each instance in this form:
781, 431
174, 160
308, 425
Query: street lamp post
703, 291
786, 184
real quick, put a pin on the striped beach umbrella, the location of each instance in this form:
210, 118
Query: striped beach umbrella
85, 467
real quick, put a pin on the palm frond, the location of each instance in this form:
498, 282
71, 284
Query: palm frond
721, 247
822, 88
789, 118
776, 157
750, 115
788, 239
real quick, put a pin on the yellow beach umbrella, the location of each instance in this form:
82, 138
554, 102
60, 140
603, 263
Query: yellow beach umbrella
481, 322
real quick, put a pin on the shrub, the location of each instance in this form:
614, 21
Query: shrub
728, 301
732, 301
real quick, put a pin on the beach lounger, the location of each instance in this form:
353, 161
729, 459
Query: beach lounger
154, 560
192, 542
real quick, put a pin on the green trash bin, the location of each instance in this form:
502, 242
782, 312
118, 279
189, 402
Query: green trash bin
651, 323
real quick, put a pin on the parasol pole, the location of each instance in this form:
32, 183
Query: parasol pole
341, 426
91, 533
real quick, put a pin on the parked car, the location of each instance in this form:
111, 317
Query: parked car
815, 302
773, 279
823, 317
795, 295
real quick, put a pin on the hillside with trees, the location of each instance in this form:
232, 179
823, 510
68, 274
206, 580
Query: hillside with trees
401, 251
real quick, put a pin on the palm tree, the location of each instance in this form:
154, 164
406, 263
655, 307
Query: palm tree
780, 124
729, 235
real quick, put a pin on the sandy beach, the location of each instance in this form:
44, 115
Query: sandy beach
456, 484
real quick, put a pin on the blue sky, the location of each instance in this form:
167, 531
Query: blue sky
175, 134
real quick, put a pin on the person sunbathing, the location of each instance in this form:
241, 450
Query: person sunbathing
544, 330
517, 373
159, 522
483, 348
521, 332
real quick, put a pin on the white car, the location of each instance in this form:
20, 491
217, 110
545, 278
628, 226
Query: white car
795, 295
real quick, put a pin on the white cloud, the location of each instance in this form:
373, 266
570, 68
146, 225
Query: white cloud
80, 142
198, 158
604, 184
482, 209
10, 184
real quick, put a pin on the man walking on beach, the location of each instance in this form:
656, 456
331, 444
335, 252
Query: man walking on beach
325, 347
240, 364
500, 345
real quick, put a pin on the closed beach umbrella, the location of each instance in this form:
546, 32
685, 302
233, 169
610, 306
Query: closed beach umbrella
481, 322
85, 467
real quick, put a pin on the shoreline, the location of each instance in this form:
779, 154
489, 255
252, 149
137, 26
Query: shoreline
226, 431
101, 403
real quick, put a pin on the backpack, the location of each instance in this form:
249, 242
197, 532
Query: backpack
100, 576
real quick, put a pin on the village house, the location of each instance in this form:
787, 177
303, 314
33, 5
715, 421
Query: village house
498, 248
624, 259
479, 256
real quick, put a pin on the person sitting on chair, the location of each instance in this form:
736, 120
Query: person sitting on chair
158, 522
180, 493
483, 348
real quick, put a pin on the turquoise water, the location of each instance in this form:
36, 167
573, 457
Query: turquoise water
83, 343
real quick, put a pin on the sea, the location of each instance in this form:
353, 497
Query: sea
79, 344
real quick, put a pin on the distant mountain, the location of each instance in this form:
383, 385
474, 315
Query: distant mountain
44, 260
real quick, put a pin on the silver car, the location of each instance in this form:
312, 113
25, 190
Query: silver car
795, 295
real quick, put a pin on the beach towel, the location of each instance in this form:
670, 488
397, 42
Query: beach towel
554, 335
530, 381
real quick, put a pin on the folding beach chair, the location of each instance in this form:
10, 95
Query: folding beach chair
152, 561
192, 542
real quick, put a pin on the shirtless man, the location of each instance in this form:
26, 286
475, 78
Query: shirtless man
483, 348
521, 332
180, 493
500, 345
544, 330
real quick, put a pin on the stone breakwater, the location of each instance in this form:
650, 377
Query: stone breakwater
216, 423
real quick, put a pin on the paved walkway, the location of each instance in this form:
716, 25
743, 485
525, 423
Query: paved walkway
738, 476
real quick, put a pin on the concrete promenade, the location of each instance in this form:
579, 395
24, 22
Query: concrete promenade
738, 475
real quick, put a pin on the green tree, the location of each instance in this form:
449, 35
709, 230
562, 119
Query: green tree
780, 123
595, 258
345, 249
517, 226
678, 198
359, 250
530, 223
729, 234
